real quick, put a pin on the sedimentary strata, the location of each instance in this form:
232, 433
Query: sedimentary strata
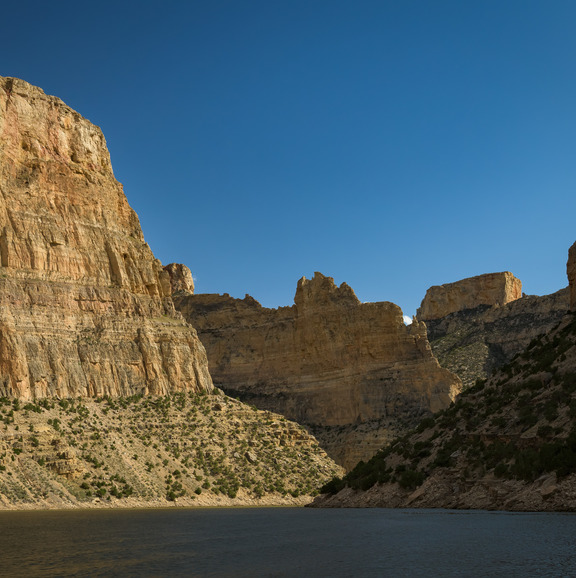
85, 308
489, 289
329, 361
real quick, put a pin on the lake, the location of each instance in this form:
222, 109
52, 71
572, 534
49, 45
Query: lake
286, 542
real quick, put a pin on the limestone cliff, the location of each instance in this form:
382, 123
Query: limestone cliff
490, 289
506, 444
571, 271
85, 308
330, 362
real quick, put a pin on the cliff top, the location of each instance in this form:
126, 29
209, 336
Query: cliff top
489, 289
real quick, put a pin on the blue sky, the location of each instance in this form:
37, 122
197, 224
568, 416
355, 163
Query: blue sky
391, 144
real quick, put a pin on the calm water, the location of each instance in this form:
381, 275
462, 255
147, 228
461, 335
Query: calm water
286, 542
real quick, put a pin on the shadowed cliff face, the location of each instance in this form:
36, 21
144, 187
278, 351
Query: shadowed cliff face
329, 362
571, 271
508, 443
485, 321
85, 308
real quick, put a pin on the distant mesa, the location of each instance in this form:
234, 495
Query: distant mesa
489, 289
478, 324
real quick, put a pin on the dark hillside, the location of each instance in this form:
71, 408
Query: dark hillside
506, 443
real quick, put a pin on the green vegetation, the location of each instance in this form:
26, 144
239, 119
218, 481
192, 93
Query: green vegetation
174, 447
519, 424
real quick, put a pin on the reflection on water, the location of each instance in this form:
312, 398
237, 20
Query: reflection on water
286, 542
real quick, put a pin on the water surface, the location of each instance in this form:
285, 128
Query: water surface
286, 542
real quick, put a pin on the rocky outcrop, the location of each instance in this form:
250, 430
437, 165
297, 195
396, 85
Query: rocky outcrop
571, 271
329, 362
490, 289
181, 280
85, 308
473, 343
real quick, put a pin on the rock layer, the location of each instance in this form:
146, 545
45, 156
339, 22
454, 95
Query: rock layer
85, 308
329, 361
490, 289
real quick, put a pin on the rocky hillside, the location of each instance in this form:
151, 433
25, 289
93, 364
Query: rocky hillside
507, 443
352, 372
183, 449
478, 324
85, 308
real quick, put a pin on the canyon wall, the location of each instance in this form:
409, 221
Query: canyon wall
486, 322
571, 271
489, 289
330, 362
508, 443
85, 308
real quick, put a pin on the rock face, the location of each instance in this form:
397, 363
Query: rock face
490, 289
329, 362
474, 342
85, 308
571, 271
181, 280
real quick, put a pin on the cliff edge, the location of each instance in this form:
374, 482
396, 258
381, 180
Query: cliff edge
489, 289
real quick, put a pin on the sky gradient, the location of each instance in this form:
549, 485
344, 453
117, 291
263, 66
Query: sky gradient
390, 144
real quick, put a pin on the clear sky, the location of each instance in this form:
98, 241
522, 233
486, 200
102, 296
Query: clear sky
391, 144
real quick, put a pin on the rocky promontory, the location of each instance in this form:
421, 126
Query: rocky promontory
352, 372
489, 289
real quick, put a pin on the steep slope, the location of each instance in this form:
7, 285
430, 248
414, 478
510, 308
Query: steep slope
352, 372
184, 449
85, 308
507, 443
